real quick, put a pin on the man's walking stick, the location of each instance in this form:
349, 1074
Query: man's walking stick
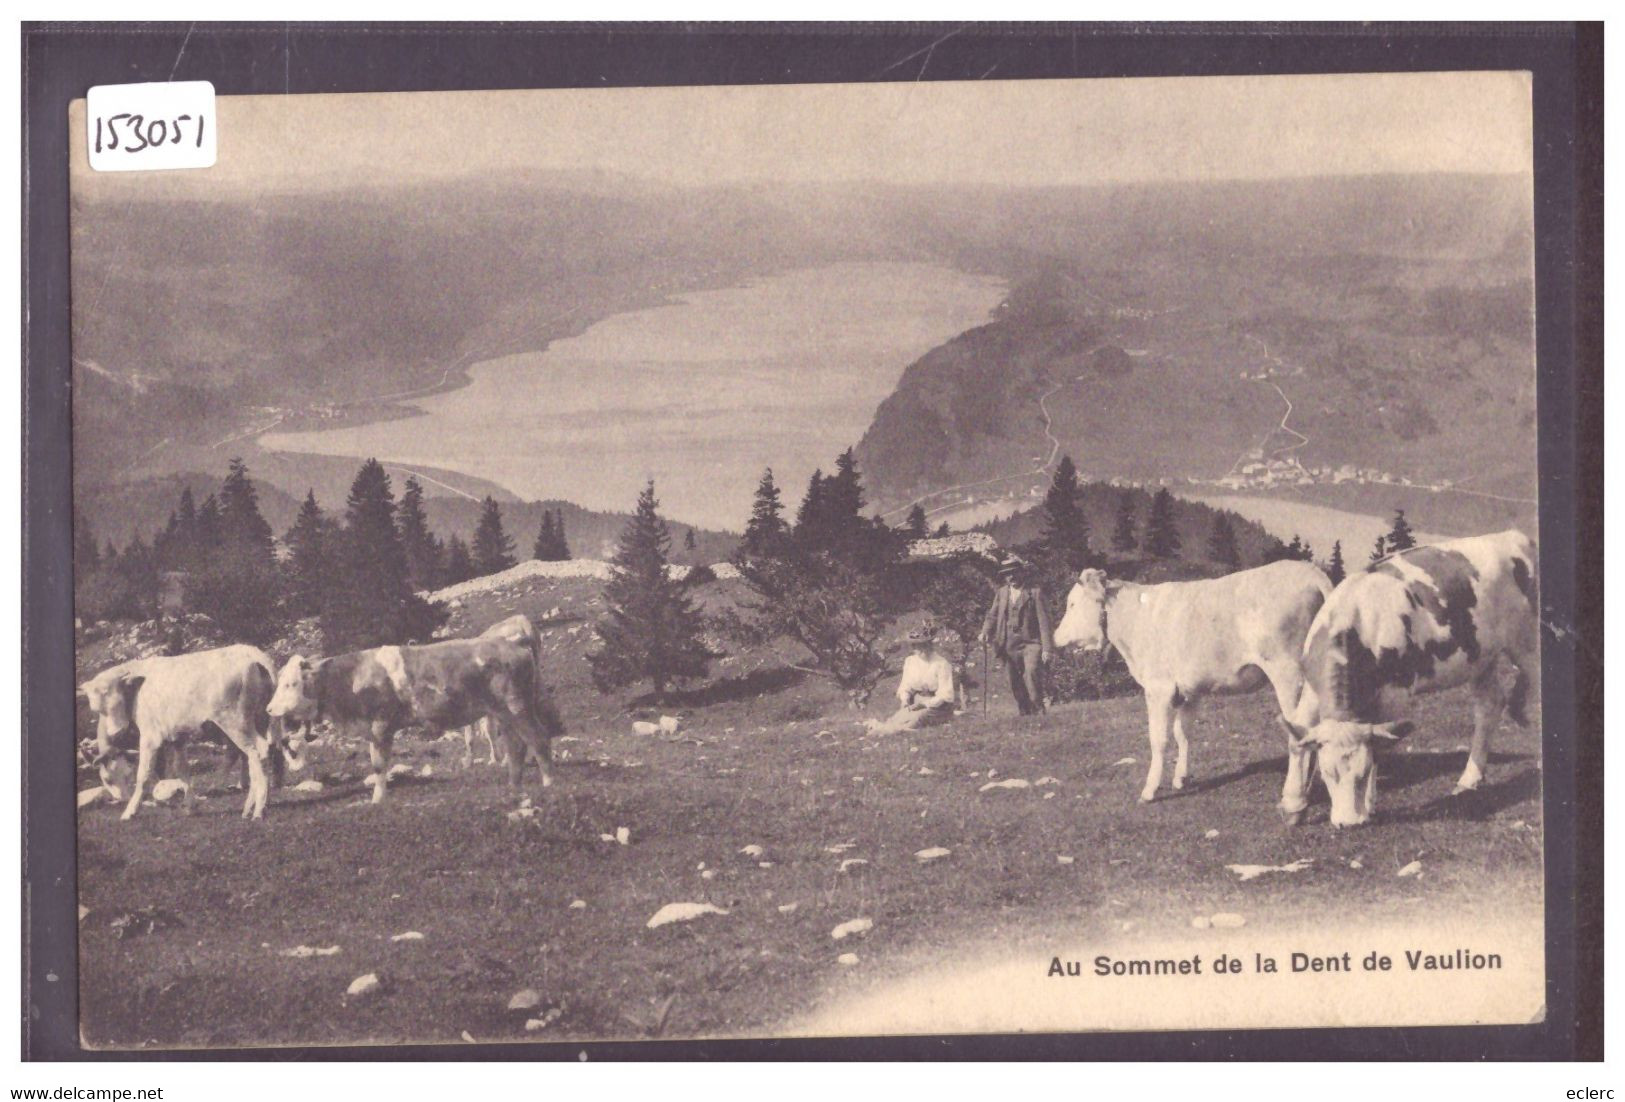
987, 677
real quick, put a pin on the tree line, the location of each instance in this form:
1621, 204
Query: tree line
358, 572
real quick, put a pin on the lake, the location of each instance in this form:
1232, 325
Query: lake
1321, 525
700, 394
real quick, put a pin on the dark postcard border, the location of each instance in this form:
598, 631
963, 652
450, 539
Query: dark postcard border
60, 61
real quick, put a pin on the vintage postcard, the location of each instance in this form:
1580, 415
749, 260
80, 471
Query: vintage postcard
817, 560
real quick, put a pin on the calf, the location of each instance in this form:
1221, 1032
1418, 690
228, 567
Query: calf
1420, 621
1184, 640
159, 702
441, 686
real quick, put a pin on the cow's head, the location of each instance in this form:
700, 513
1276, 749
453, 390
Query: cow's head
1085, 621
1346, 751
112, 695
294, 701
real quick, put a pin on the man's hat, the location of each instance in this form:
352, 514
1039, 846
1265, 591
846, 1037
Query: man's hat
916, 636
1010, 565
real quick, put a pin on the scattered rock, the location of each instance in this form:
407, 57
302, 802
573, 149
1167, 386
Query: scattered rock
926, 771
88, 796
752, 850
1250, 872
527, 1000
308, 786
300, 952
1356, 864
788, 908
1062, 859
1042, 782
850, 862
364, 987
1122, 761
469, 1037
519, 814
1412, 869
682, 912
410, 935
847, 959
641, 727
670, 724
708, 874
578, 904
840, 847
167, 789
536, 1025
146, 920
1201, 922
931, 854
1008, 782
849, 928
1210, 835
84, 910
426, 771
623, 836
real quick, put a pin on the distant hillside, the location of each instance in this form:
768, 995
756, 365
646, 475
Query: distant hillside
1389, 322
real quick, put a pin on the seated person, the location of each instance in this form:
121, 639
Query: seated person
926, 692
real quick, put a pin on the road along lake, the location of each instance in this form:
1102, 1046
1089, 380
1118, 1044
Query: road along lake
700, 394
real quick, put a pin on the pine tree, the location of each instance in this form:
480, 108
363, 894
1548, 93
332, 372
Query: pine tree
1335, 570
310, 546
1161, 536
845, 494
765, 532
423, 552
1123, 532
241, 523
459, 563
1400, 536
1066, 527
492, 549
561, 543
689, 543
812, 518
943, 529
208, 526
546, 538
650, 631
1380, 551
372, 601
1221, 543
915, 525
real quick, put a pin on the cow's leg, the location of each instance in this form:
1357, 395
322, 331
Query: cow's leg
1300, 774
496, 749
1182, 762
378, 746
1488, 702
468, 747
143, 773
183, 770
1159, 707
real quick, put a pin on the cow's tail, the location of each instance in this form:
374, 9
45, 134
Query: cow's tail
547, 711
1518, 700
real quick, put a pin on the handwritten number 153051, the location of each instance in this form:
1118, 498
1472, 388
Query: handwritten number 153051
137, 132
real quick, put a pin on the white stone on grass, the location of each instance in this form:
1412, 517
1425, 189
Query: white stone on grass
1008, 782
300, 952
1252, 872
851, 927
682, 912
363, 987
410, 935
931, 854
308, 786
1412, 869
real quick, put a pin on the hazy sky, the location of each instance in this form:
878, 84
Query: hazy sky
1011, 132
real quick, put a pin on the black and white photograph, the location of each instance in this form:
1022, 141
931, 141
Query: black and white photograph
809, 560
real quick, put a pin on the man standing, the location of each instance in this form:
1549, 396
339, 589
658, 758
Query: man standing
926, 691
1019, 628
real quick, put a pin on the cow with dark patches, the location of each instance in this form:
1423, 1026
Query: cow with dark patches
442, 686
1420, 621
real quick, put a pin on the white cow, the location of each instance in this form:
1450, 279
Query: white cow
1420, 621
1184, 640
150, 703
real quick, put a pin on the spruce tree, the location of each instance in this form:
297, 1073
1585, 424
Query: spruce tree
689, 543
1335, 570
492, 549
1123, 531
1161, 536
542, 549
1400, 536
943, 529
241, 523
459, 563
1380, 551
422, 549
561, 543
765, 531
1221, 543
915, 525
651, 632
208, 526
372, 601
1066, 527
812, 518
310, 546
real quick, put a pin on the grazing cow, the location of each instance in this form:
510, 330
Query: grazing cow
153, 703
1419, 621
441, 686
1183, 640
518, 629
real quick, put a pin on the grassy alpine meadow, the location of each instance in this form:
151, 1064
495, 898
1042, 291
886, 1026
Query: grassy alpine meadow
777, 808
